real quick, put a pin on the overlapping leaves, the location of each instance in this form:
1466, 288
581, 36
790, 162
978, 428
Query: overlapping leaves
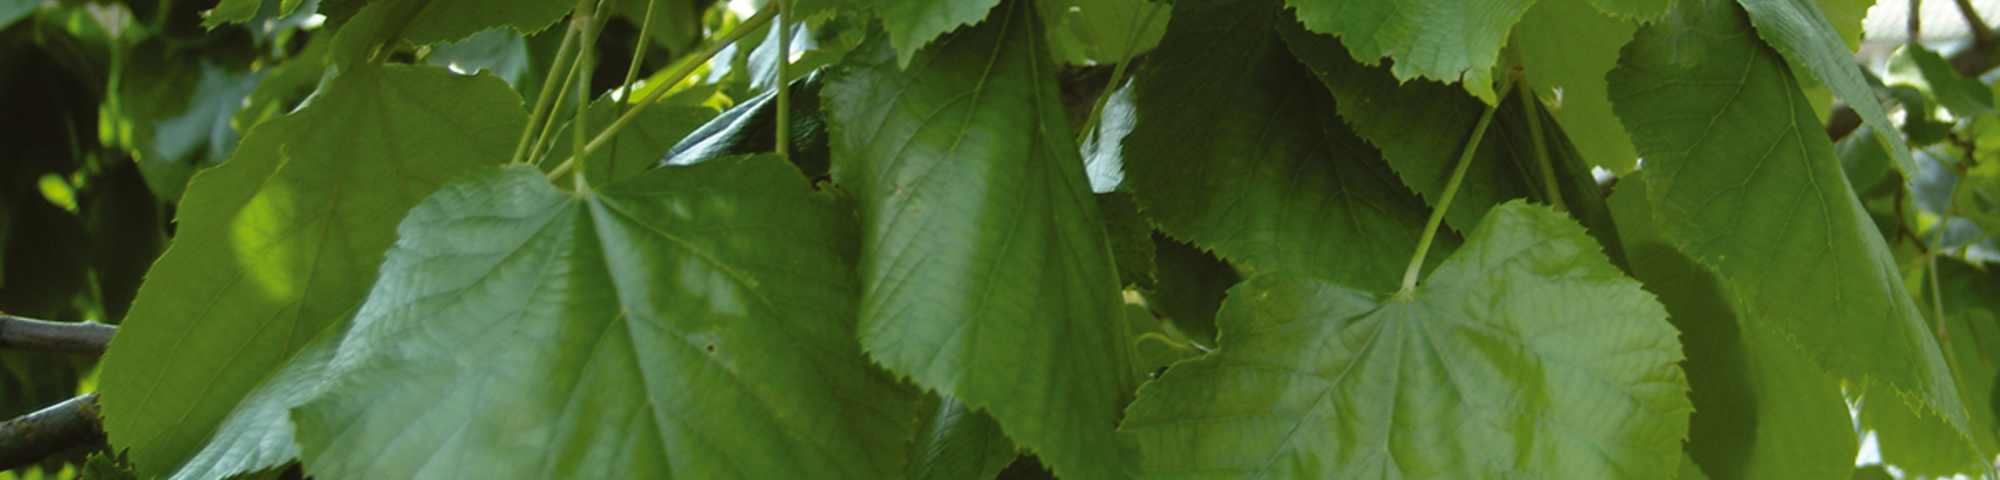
692, 322
984, 267
1741, 179
1526, 353
284, 239
1265, 175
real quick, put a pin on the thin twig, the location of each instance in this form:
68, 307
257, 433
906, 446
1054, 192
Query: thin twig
81, 338
1981, 33
36, 436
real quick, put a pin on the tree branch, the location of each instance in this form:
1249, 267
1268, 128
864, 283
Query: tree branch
1975, 59
82, 338
35, 436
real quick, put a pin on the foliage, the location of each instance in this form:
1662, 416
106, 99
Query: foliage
951, 239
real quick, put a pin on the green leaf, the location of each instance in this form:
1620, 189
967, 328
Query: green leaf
985, 263
1421, 127
1762, 408
1237, 150
1925, 445
912, 24
1131, 238
1566, 47
637, 147
14, 10
750, 127
231, 11
1191, 286
693, 322
1744, 180
1087, 32
1801, 32
425, 22
1645, 10
1450, 41
258, 435
173, 109
1965, 97
1525, 354
954, 442
284, 239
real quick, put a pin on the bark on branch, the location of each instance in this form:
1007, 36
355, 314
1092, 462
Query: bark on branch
82, 338
35, 436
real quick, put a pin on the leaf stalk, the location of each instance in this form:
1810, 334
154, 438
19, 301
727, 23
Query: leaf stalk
1444, 202
753, 23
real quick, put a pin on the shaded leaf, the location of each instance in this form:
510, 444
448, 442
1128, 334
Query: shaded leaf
1524, 354
1191, 286
1421, 127
1131, 238
284, 239
425, 22
985, 265
1237, 150
1743, 179
691, 322
1965, 97
1762, 407
954, 442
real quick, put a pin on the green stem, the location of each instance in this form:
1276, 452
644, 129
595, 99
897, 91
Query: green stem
784, 140
687, 68
631, 76
1117, 75
579, 126
1444, 202
1530, 106
545, 101
549, 123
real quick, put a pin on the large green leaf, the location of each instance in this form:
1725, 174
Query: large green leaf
1743, 179
693, 322
1762, 408
1236, 149
1566, 47
1801, 32
985, 263
1526, 354
1449, 40
284, 239
912, 24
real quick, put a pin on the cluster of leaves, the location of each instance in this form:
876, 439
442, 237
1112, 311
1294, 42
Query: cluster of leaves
936, 239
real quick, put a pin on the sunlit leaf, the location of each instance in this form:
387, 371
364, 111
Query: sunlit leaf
1566, 47
690, 322
1451, 41
1524, 354
284, 239
986, 270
